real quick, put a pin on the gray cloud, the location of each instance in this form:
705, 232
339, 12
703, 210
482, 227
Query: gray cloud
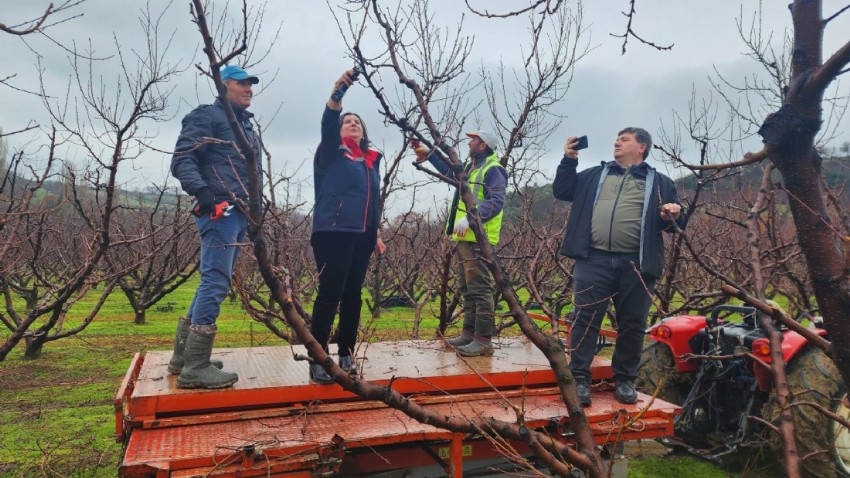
610, 90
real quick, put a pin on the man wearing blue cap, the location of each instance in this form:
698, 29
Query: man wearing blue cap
216, 176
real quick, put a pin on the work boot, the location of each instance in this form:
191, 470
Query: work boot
175, 365
583, 389
625, 392
463, 339
198, 372
318, 375
348, 364
475, 348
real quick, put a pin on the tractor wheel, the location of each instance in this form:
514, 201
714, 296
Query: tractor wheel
658, 367
813, 377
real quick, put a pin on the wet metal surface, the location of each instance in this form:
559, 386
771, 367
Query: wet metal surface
296, 426
271, 376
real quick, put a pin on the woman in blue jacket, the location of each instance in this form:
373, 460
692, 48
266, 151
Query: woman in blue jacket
345, 226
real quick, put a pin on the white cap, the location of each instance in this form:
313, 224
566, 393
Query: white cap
487, 137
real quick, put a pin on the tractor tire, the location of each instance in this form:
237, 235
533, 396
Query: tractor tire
813, 377
658, 367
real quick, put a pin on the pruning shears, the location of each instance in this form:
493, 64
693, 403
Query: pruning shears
219, 211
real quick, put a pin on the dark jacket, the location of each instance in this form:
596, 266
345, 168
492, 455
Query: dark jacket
582, 189
347, 192
216, 166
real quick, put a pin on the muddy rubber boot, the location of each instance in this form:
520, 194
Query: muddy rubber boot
175, 365
464, 338
476, 348
318, 375
198, 372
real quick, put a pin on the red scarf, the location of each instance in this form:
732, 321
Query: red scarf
369, 156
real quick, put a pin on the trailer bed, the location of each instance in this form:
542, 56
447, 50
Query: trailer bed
274, 422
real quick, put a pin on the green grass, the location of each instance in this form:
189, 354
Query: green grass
57, 417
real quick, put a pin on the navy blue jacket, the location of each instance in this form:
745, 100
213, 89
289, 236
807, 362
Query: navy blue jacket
216, 166
347, 192
582, 189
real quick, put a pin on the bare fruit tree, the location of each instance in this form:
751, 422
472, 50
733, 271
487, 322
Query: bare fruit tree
550, 450
432, 106
764, 252
41, 263
157, 251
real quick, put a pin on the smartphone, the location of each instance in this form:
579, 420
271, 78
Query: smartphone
582, 143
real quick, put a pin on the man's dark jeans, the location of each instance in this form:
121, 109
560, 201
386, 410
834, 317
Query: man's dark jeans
600, 278
342, 259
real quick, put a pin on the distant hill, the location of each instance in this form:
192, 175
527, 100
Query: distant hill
837, 172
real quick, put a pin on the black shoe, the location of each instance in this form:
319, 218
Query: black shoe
583, 388
625, 392
318, 375
347, 363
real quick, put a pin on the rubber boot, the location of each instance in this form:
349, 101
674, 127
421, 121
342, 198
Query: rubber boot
476, 348
464, 338
198, 372
175, 365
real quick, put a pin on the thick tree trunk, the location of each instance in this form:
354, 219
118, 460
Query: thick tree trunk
789, 136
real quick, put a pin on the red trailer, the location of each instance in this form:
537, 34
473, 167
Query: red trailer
274, 422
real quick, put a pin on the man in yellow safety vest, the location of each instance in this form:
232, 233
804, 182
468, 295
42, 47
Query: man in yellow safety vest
487, 180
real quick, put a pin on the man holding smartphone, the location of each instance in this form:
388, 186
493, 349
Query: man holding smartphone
620, 208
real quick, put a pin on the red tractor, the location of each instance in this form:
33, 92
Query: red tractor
721, 397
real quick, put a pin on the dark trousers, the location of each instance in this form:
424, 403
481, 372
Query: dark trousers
600, 278
342, 259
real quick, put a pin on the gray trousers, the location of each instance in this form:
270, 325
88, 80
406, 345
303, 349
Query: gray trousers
599, 279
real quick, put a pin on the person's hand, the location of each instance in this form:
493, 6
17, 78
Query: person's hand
571, 143
205, 200
380, 246
461, 226
420, 151
347, 79
670, 211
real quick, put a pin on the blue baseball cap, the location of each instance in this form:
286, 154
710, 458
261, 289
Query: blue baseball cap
233, 72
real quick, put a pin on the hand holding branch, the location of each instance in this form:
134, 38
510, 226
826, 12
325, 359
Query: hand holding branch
670, 211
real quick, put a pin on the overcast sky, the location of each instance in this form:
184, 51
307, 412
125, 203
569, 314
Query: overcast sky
610, 90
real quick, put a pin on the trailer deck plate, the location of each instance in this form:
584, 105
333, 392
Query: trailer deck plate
319, 435
272, 377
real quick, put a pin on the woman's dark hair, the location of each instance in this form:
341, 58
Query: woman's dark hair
364, 142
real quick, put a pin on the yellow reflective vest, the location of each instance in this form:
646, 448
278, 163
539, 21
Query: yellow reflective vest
493, 227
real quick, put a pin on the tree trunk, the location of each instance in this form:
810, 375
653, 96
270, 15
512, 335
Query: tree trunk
34, 347
789, 136
140, 317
